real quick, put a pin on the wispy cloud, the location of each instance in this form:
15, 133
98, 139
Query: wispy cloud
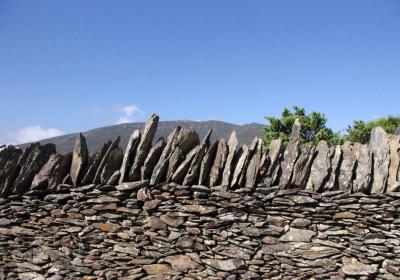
29, 134
129, 113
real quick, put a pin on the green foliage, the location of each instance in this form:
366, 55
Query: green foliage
313, 128
360, 131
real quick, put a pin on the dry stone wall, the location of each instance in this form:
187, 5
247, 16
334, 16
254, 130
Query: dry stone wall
183, 207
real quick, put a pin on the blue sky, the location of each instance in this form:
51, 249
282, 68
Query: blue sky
68, 66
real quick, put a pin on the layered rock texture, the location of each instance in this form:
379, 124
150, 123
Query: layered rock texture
184, 207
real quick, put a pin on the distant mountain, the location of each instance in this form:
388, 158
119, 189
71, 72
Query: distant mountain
96, 137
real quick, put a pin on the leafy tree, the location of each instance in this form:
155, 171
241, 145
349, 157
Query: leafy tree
360, 131
313, 128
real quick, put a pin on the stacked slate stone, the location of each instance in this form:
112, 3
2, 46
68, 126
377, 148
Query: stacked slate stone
170, 231
182, 207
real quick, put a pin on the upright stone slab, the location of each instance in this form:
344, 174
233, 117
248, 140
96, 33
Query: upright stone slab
302, 168
332, 183
113, 164
174, 160
274, 154
95, 162
206, 164
252, 149
393, 183
152, 158
290, 155
53, 172
183, 168
320, 167
30, 164
347, 167
9, 168
240, 164
113, 146
194, 169
80, 157
253, 166
219, 163
227, 174
129, 155
379, 145
143, 149
160, 170
364, 168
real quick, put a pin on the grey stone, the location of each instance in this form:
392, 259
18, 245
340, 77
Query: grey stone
174, 160
240, 166
181, 171
160, 170
112, 164
227, 174
30, 162
320, 167
187, 140
274, 154
290, 155
225, 265
332, 183
379, 145
94, 163
219, 163
253, 166
53, 172
144, 147
206, 164
393, 183
152, 158
80, 156
129, 155
298, 235
347, 167
351, 266
113, 146
302, 168
195, 166
364, 168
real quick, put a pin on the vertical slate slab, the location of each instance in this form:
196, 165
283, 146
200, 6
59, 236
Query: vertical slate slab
206, 164
290, 155
320, 167
379, 145
364, 168
152, 158
113, 146
143, 149
80, 157
347, 166
393, 183
302, 168
332, 183
274, 154
253, 166
227, 174
129, 155
219, 163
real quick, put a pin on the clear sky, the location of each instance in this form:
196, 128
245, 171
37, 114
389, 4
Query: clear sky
68, 66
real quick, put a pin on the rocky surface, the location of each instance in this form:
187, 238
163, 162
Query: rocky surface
201, 210
133, 231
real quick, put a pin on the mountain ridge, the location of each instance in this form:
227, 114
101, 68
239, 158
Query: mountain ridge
98, 136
